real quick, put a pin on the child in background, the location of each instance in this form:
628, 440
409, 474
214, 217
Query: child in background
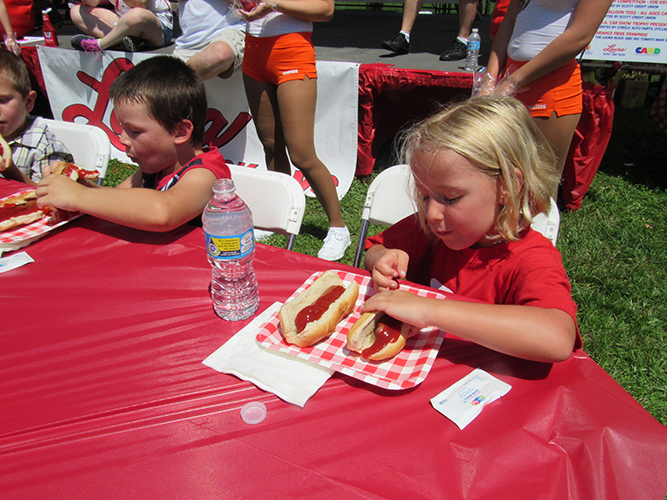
161, 106
482, 171
133, 26
33, 145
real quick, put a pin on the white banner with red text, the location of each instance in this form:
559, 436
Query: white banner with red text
77, 85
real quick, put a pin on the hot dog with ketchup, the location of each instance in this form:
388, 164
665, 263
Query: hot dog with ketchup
377, 336
313, 314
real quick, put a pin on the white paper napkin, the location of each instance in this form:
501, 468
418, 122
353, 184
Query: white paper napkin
14, 261
291, 379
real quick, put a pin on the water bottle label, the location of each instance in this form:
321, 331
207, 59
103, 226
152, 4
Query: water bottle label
472, 45
230, 247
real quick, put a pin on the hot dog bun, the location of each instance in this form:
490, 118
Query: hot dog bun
5, 154
362, 336
19, 210
74, 172
326, 324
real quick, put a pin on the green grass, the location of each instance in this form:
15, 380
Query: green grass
613, 249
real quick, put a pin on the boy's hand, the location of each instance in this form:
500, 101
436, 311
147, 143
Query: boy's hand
390, 266
58, 191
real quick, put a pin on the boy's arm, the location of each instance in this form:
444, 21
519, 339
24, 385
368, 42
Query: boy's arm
12, 172
139, 208
527, 332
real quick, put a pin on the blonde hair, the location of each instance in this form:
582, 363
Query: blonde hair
498, 136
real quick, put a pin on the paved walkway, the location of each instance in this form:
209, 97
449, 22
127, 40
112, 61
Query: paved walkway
357, 35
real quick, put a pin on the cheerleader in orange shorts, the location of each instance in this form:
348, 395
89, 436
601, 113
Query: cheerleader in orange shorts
280, 79
533, 58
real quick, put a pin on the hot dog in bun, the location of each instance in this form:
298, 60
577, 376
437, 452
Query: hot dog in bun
5, 154
377, 336
313, 314
22, 209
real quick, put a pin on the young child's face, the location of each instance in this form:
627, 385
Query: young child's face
462, 204
146, 142
14, 109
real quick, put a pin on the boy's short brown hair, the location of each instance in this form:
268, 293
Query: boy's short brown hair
14, 69
170, 90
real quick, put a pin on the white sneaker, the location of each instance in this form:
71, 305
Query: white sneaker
337, 240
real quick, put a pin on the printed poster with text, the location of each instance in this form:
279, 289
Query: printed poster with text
633, 31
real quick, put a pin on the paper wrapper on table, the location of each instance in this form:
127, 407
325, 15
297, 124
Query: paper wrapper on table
291, 379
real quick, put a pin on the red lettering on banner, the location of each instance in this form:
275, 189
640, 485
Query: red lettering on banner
214, 135
218, 122
305, 185
96, 115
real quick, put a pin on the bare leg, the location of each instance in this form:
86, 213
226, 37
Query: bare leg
263, 104
411, 9
216, 59
297, 100
467, 13
559, 132
138, 22
93, 21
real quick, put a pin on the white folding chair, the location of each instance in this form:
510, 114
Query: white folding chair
276, 200
89, 145
388, 200
548, 224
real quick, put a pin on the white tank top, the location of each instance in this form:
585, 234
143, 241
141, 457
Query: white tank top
278, 23
538, 25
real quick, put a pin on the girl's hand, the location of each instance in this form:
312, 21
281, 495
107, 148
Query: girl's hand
389, 267
404, 306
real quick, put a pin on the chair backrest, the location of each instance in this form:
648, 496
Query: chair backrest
389, 199
276, 200
548, 224
89, 145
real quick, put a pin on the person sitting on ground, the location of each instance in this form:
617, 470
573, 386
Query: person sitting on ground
9, 35
472, 234
33, 145
212, 37
133, 25
161, 106
400, 42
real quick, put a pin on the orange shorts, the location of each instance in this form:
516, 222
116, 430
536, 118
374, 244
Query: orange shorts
278, 59
559, 91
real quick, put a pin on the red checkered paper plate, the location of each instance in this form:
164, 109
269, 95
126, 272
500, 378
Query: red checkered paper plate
407, 369
22, 236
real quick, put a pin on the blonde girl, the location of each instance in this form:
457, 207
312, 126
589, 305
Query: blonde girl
482, 171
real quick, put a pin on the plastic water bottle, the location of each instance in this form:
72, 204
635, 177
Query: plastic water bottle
230, 245
474, 42
48, 30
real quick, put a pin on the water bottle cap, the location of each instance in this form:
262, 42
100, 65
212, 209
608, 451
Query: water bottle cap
253, 412
474, 30
224, 186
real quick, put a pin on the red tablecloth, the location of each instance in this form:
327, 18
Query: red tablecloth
104, 396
